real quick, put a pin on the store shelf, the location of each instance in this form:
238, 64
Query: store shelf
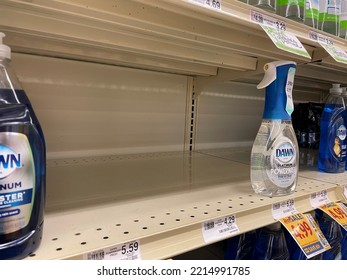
160, 200
168, 35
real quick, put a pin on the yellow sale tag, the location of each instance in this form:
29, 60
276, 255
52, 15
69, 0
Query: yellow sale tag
305, 236
337, 212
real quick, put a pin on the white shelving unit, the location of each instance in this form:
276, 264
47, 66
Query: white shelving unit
159, 198
164, 206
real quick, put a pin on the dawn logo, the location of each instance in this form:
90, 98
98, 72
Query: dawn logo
285, 152
9, 161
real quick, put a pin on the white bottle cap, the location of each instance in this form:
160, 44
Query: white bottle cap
336, 89
5, 51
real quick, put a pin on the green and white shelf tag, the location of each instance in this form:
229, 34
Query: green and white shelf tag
327, 43
276, 30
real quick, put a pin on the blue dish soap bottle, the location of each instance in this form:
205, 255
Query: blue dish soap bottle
332, 144
22, 167
275, 151
271, 244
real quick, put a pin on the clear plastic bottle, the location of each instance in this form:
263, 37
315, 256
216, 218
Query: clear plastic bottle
343, 19
22, 167
332, 231
275, 151
329, 16
312, 13
292, 9
271, 244
332, 144
267, 5
241, 247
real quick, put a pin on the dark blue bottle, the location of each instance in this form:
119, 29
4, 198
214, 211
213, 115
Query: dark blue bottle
241, 247
332, 145
332, 231
271, 244
22, 167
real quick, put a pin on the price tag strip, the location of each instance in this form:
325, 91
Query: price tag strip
283, 209
337, 211
125, 251
306, 233
219, 228
276, 30
327, 43
213, 4
319, 198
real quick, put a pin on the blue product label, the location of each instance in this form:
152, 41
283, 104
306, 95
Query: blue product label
17, 181
339, 145
283, 169
13, 199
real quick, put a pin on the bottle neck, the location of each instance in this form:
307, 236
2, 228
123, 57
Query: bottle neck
9, 83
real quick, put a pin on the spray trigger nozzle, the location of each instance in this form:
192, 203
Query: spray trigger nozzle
269, 77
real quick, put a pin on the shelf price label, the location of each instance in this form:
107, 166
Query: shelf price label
219, 228
337, 211
306, 234
214, 4
277, 31
283, 209
125, 251
327, 43
269, 21
319, 198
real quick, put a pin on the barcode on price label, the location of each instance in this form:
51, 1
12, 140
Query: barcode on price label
97, 256
126, 251
209, 225
219, 228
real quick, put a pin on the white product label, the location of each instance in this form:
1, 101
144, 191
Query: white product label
283, 209
127, 251
219, 228
265, 20
289, 89
341, 132
283, 166
315, 36
345, 191
319, 198
214, 4
17, 181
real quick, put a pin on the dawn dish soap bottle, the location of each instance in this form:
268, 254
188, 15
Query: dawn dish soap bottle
332, 144
275, 151
22, 167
